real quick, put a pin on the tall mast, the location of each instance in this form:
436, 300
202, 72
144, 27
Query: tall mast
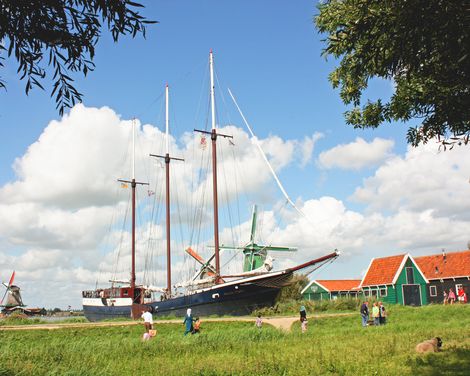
133, 183
214, 168
214, 135
167, 185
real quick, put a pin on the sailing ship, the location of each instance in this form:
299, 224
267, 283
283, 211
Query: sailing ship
209, 291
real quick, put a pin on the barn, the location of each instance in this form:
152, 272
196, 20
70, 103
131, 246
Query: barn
445, 271
395, 279
331, 289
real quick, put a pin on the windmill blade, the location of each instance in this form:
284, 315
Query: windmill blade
6, 292
12, 278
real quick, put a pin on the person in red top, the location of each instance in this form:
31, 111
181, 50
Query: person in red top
462, 296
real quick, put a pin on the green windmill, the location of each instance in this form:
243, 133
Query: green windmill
255, 255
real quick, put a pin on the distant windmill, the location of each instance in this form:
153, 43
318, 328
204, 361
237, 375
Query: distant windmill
12, 294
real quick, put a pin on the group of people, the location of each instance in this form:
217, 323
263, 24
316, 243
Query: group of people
450, 297
379, 314
192, 325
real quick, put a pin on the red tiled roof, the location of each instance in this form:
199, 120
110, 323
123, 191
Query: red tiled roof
339, 284
455, 264
382, 270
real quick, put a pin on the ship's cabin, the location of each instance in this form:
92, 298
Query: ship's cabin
137, 294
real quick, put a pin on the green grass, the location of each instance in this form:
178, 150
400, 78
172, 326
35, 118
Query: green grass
21, 320
291, 307
332, 346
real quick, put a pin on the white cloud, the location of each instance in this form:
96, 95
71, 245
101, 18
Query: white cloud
422, 180
356, 155
306, 147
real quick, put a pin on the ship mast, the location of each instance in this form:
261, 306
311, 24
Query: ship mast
167, 159
214, 135
214, 168
133, 184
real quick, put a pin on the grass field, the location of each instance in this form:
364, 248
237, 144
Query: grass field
332, 346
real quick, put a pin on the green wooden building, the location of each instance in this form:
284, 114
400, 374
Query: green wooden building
395, 279
331, 289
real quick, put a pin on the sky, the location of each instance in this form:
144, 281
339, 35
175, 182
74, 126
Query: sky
364, 192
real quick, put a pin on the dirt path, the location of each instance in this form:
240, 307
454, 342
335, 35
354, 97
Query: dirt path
283, 323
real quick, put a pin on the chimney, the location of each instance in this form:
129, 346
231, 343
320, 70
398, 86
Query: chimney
444, 255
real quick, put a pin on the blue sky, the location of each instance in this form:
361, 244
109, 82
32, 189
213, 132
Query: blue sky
269, 54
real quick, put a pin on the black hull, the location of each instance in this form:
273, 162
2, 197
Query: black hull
235, 299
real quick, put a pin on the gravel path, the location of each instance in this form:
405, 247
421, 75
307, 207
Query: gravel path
283, 322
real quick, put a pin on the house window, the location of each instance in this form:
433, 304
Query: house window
383, 291
432, 291
409, 276
458, 287
366, 293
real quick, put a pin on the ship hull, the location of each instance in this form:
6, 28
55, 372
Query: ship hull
236, 298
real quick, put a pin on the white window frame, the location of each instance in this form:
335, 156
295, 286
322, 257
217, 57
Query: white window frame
458, 286
431, 289
383, 289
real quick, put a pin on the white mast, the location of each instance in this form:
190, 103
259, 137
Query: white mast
133, 149
211, 66
167, 121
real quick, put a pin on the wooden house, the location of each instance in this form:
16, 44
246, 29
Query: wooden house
395, 279
331, 289
445, 271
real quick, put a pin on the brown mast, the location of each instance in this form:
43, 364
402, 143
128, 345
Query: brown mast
168, 224
133, 184
167, 190
216, 202
214, 135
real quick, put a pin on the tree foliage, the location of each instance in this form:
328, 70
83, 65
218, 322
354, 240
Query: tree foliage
422, 45
58, 37
292, 291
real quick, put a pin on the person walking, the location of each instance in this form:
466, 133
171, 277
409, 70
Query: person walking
148, 322
188, 322
445, 296
303, 319
365, 313
375, 314
259, 321
382, 314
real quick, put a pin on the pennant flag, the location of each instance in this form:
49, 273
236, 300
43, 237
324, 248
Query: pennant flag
203, 143
124, 185
150, 193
